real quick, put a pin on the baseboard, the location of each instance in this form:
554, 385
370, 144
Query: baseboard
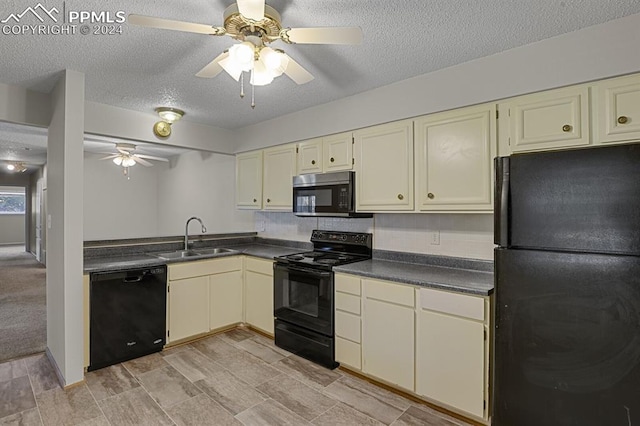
54, 364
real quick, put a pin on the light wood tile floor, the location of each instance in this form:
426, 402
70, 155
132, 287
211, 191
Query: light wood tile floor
234, 378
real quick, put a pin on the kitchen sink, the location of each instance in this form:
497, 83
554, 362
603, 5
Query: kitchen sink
182, 254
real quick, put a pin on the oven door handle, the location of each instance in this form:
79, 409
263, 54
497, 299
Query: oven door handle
305, 270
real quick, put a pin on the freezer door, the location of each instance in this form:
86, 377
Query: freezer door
579, 200
567, 340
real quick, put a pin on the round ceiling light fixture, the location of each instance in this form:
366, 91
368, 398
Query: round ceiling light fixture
168, 116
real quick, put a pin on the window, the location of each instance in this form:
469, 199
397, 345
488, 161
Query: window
12, 203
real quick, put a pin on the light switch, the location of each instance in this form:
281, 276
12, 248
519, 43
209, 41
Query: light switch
48, 221
435, 238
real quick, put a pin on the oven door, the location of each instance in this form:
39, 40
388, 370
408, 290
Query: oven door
304, 297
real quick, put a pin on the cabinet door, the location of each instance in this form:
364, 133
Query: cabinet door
618, 107
279, 170
188, 307
547, 120
225, 304
388, 342
454, 155
249, 180
259, 301
450, 363
384, 167
310, 156
338, 152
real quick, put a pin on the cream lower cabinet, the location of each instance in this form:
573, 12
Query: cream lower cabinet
249, 180
348, 323
384, 167
618, 108
452, 350
258, 281
195, 296
388, 332
454, 154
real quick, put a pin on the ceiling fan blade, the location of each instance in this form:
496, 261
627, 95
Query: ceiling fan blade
296, 73
110, 157
252, 9
139, 160
149, 157
326, 35
213, 68
123, 151
169, 24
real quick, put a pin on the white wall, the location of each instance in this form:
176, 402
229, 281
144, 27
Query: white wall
592, 53
116, 207
18, 105
461, 235
158, 200
64, 240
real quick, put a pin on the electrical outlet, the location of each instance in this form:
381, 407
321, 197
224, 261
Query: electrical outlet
435, 238
260, 226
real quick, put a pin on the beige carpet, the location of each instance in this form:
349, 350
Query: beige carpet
23, 311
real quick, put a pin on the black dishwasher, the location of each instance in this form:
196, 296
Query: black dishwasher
128, 311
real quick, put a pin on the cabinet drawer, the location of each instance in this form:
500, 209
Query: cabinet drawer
258, 265
348, 284
204, 267
461, 305
348, 326
348, 353
348, 303
392, 293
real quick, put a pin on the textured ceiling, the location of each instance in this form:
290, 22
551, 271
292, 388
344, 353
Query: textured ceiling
144, 68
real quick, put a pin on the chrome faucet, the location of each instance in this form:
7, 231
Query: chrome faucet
186, 231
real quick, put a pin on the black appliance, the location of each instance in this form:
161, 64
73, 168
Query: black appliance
128, 311
304, 293
567, 287
326, 194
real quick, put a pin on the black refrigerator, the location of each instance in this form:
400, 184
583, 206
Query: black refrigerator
567, 288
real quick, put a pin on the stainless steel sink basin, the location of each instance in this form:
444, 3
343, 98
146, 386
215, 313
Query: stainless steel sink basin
217, 250
181, 254
178, 254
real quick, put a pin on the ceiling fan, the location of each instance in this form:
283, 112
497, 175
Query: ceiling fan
256, 25
126, 157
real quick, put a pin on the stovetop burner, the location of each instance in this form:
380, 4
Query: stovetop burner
331, 249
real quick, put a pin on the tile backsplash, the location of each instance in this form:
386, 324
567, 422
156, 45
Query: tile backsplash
457, 235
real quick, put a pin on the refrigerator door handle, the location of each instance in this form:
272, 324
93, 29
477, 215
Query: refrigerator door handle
501, 200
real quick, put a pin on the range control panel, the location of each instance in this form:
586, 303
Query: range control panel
354, 238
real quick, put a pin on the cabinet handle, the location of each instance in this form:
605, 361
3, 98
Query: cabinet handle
623, 119
268, 200
567, 128
431, 196
255, 201
332, 159
400, 197
313, 162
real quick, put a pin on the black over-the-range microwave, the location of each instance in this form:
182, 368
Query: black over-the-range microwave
326, 194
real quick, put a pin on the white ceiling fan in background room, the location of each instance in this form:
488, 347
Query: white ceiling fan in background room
256, 25
126, 157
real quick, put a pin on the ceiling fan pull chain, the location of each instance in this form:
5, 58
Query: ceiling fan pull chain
241, 85
253, 93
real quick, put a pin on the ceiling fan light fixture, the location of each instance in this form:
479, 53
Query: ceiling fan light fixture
243, 54
128, 162
118, 160
17, 166
170, 115
231, 67
273, 60
261, 75
11, 167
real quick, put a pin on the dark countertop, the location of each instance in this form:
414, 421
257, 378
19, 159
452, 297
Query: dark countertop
133, 261
444, 278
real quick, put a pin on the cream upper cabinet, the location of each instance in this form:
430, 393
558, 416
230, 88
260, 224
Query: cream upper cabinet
249, 180
384, 167
279, 170
338, 152
452, 351
454, 154
329, 154
310, 156
618, 109
388, 339
259, 294
548, 120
